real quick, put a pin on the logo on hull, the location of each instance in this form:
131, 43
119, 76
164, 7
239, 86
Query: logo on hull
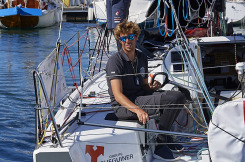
94, 153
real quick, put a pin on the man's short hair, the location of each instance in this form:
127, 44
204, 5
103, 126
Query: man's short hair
126, 27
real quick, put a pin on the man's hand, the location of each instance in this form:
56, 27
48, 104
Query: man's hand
155, 86
116, 85
142, 116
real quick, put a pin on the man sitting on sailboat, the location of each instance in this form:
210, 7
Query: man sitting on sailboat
132, 96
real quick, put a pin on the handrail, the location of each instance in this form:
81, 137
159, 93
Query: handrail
35, 73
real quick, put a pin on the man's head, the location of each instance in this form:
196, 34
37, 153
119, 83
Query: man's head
127, 33
126, 27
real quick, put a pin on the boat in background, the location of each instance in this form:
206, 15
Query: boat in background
29, 14
235, 12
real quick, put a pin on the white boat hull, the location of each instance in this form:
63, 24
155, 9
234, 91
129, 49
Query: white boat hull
48, 18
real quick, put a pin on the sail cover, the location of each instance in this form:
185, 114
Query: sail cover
226, 133
55, 85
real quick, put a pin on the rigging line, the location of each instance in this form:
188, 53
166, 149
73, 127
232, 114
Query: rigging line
190, 20
183, 4
123, 75
233, 95
45, 128
214, 67
103, 45
63, 53
211, 9
197, 70
88, 29
197, 8
54, 78
72, 72
185, 55
131, 143
61, 75
202, 18
98, 53
112, 108
200, 77
158, 6
200, 104
78, 39
108, 35
192, 115
65, 50
56, 67
108, 106
61, 20
96, 48
56, 70
109, 42
70, 99
193, 84
185, 69
80, 55
174, 77
170, 35
89, 55
178, 27
235, 49
70, 38
143, 130
147, 107
168, 71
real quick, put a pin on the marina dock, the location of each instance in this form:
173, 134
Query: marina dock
75, 14
78, 11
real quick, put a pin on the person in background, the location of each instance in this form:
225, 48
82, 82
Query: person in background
133, 97
116, 11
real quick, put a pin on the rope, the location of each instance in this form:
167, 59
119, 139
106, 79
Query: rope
158, 5
149, 107
192, 62
170, 35
185, 3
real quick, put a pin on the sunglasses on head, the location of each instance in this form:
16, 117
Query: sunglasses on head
124, 38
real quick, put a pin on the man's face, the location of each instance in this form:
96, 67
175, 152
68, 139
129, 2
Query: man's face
128, 42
